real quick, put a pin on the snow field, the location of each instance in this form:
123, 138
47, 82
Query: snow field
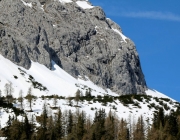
58, 82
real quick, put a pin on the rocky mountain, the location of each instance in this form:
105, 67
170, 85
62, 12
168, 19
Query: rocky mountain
76, 36
66, 55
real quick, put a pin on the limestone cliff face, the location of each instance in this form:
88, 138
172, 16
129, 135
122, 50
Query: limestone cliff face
81, 41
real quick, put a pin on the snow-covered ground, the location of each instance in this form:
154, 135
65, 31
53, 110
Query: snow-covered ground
58, 82
155, 93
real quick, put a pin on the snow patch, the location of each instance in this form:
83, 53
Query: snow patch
27, 4
155, 93
84, 5
42, 7
123, 36
65, 1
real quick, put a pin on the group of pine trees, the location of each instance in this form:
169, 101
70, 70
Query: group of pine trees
77, 125
165, 127
70, 125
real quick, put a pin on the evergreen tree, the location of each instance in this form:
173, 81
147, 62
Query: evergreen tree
171, 126
44, 121
123, 133
80, 126
28, 128
58, 125
98, 125
110, 126
15, 130
43, 124
51, 135
87, 128
159, 119
138, 133
70, 122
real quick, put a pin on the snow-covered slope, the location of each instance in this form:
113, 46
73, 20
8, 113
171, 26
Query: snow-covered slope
58, 82
155, 93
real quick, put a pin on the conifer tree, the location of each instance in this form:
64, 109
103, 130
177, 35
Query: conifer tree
159, 119
171, 126
138, 133
28, 128
70, 122
44, 121
80, 126
110, 126
123, 133
15, 130
58, 125
43, 124
98, 125
87, 128
51, 135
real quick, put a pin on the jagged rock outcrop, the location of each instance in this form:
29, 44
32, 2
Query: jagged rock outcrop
80, 40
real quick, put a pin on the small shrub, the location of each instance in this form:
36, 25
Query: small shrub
15, 77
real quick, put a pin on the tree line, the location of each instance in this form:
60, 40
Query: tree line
53, 124
77, 125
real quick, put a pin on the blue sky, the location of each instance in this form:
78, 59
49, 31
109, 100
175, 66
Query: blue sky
154, 26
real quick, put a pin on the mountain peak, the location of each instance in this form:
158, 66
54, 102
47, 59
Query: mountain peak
76, 36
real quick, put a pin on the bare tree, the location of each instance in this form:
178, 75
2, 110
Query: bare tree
20, 99
77, 96
8, 90
29, 97
11, 89
55, 101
